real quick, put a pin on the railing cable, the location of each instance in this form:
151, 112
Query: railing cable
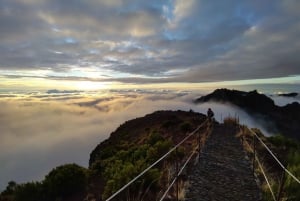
266, 178
156, 162
262, 171
180, 171
277, 160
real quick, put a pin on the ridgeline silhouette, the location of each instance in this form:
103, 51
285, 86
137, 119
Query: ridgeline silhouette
284, 120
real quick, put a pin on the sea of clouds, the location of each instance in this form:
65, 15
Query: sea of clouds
40, 131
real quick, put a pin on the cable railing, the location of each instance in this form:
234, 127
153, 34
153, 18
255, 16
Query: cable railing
276, 159
177, 175
260, 166
178, 171
265, 177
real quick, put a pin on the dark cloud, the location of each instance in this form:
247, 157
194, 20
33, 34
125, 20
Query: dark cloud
18, 22
176, 40
55, 91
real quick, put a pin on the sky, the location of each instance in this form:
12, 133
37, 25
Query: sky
100, 44
72, 71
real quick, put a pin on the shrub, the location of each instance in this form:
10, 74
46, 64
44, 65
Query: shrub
32, 191
154, 137
10, 189
65, 180
281, 141
230, 121
185, 127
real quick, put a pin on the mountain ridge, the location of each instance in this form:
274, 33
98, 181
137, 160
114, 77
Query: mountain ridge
285, 118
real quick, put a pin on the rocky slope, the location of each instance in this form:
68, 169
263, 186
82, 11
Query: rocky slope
286, 119
170, 124
134, 146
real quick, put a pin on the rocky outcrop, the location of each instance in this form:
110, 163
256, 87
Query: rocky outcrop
293, 94
286, 119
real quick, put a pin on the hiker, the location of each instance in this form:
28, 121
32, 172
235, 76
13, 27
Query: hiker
210, 114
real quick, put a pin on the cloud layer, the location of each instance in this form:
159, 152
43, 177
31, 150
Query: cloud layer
41, 131
149, 41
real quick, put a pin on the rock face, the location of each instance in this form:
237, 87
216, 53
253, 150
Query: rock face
286, 118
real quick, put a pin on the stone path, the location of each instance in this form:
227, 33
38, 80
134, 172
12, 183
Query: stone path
223, 173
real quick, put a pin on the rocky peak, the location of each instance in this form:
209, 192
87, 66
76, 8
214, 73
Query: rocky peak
251, 101
286, 118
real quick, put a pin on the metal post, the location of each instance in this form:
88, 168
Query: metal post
242, 139
281, 185
235, 118
242, 136
177, 170
199, 146
254, 153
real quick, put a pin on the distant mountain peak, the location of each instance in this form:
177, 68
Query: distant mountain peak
286, 118
251, 100
293, 94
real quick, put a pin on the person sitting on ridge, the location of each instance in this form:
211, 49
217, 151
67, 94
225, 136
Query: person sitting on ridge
210, 114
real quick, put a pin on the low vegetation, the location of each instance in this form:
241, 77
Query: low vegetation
119, 160
60, 184
126, 163
288, 152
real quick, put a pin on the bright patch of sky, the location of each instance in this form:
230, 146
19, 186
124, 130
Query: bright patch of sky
281, 80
